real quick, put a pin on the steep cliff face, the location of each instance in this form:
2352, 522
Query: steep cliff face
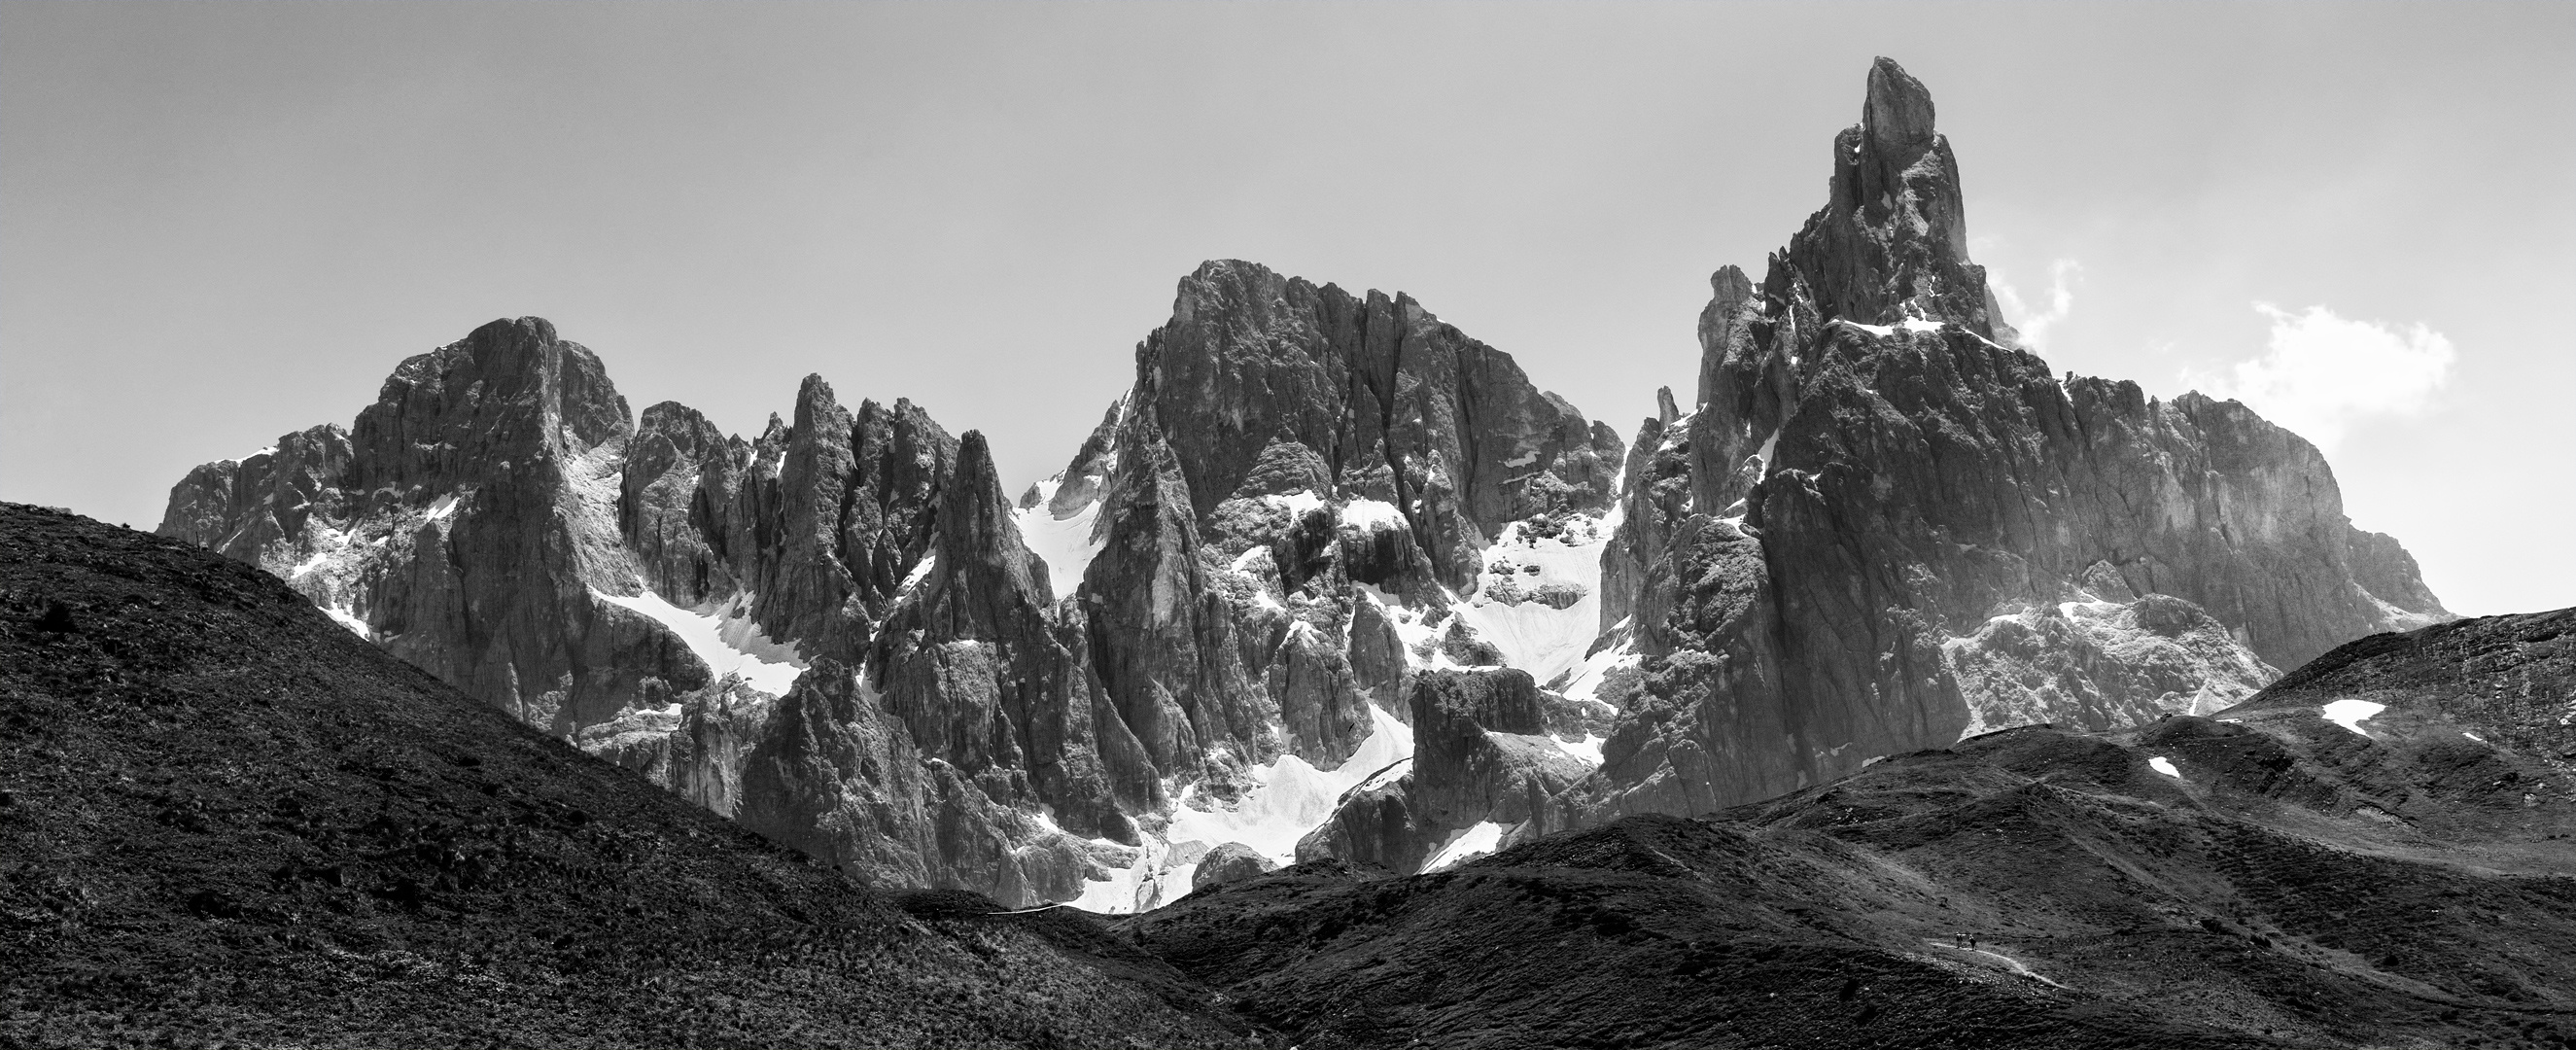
1484, 762
1885, 526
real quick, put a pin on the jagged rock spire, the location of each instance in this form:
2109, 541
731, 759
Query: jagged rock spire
985, 572
1898, 113
1892, 242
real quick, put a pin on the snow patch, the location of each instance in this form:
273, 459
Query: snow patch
1370, 514
1288, 799
1296, 503
727, 639
445, 506
2092, 610
921, 571
1393, 772
1291, 797
2350, 714
1046, 822
346, 619
2164, 765
1586, 684
1115, 894
1066, 544
1466, 845
327, 544
1410, 627
1589, 750
1532, 635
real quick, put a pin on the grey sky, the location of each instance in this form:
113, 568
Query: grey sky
222, 222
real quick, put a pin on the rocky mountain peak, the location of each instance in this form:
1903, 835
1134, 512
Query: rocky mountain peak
1882, 529
1891, 243
508, 391
255, 508
1897, 114
983, 570
1397, 406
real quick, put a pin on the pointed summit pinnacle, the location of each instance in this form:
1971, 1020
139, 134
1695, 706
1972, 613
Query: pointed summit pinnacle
1891, 244
1898, 114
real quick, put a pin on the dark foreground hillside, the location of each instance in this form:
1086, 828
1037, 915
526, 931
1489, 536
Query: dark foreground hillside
2266, 878
224, 819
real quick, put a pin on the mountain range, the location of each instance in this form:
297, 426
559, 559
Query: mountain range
1342, 656
1333, 578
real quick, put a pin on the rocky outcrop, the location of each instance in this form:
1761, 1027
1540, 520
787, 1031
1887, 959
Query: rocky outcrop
1373, 824
256, 509
676, 503
2505, 682
1481, 755
1480, 749
696, 749
851, 515
1231, 862
839, 776
993, 677
1885, 526
840, 779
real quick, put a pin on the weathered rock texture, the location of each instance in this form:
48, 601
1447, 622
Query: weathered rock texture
1885, 526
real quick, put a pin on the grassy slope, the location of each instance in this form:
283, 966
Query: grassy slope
223, 818
2298, 885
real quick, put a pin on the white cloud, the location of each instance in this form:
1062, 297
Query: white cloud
2322, 373
2033, 325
